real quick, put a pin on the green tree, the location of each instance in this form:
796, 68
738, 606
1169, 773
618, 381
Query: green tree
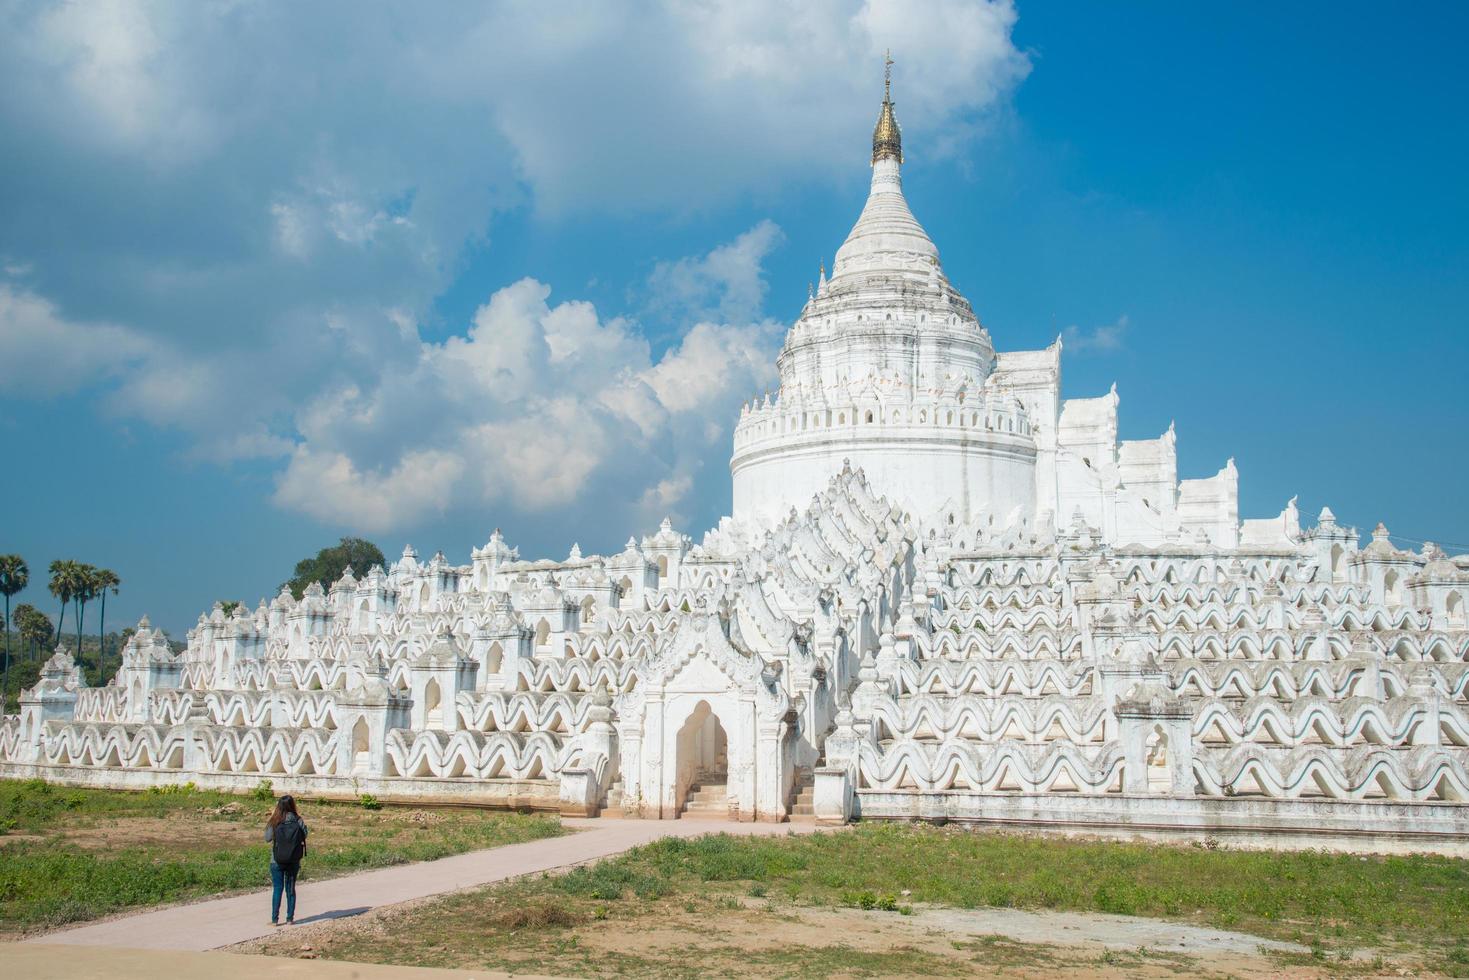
228, 606
34, 627
14, 575
84, 591
329, 564
105, 579
63, 586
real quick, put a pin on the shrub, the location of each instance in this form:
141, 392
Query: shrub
173, 789
263, 791
369, 802
540, 912
870, 900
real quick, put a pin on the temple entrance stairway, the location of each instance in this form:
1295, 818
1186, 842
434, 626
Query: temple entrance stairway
803, 796
708, 797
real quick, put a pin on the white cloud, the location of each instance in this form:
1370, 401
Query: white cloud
131, 73
539, 406
682, 103
1099, 340
662, 103
715, 364
667, 495
328, 485
292, 233
42, 353
232, 217
727, 284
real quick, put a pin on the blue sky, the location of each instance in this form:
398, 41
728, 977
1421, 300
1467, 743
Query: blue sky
269, 277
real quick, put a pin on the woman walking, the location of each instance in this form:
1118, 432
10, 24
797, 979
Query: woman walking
286, 834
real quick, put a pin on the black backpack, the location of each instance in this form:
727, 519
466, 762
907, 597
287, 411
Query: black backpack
288, 843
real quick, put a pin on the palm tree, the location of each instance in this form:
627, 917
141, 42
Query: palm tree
105, 579
83, 592
34, 627
14, 575
62, 585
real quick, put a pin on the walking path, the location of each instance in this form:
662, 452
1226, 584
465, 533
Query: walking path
36, 961
226, 921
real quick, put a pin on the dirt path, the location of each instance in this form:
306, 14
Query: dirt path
41, 962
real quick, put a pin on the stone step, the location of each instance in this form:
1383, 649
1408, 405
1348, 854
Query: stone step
706, 812
707, 799
803, 794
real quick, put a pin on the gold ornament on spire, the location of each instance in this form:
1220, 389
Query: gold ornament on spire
887, 138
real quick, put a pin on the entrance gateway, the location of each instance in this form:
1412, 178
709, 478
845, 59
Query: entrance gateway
704, 717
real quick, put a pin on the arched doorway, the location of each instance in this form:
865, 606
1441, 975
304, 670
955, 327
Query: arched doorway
1392, 589
1160, 777
361, 747
703, 765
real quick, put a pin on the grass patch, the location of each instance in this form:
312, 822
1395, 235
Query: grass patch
1335, 904
68, 855
1287, 895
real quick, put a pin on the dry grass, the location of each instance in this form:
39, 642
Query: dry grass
539, 912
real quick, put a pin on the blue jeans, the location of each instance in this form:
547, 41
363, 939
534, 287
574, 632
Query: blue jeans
283, 879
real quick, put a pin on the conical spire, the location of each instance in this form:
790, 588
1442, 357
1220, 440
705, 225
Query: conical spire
886, 235
887, 138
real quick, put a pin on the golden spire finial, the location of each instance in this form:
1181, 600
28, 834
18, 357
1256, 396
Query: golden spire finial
887, 139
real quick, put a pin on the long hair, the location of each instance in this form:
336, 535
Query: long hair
283, 806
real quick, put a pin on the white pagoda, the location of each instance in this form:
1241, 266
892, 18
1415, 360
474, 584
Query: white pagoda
944, 594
